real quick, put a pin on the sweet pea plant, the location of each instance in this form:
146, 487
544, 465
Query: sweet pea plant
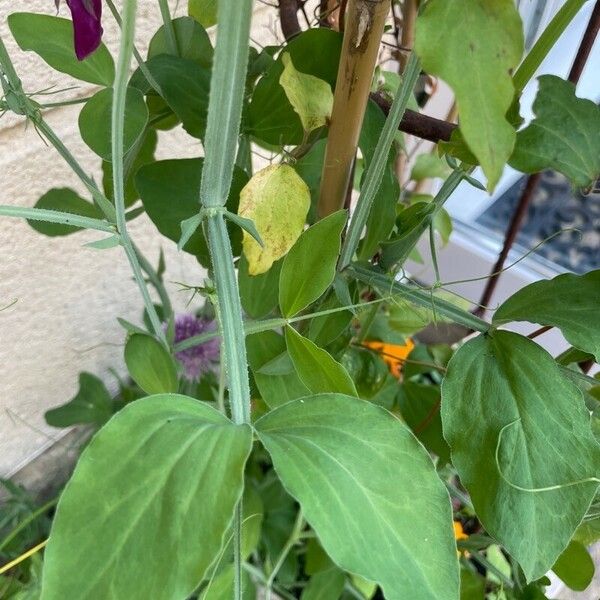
293, 435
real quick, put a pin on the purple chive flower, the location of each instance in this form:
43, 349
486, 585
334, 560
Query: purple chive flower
200, 359
87, 15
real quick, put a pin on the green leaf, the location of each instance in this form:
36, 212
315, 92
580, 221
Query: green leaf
569, 302
258, 293
412, 223
277, 200
92, 404
52, 39
141, 154
309, 267
503, 384
170, 190
419, 406
563, 135
472, 585
473, 45
64, 200
271, 117
185, 86
380, 221
325, 585
317, 369
279, 388
575, 566
204, 11
310, 168
193, 42
95, 121
362, 480
144, 514
150, 365
429, 166
311, 97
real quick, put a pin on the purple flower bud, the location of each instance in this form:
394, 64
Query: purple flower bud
87, 27
200, 359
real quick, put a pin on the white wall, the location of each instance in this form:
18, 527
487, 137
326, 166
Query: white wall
68, 296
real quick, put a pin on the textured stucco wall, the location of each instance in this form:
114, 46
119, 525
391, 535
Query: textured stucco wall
68, 296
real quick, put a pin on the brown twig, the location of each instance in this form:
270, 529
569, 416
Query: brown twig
539, 331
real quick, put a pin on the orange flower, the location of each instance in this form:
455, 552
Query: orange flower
394, 355
459, 533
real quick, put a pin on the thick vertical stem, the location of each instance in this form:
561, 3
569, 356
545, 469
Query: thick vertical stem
362, 36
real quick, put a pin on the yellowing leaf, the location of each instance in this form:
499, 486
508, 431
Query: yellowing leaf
473, 45
310, 96
277, 200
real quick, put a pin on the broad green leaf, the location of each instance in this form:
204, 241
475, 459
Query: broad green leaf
473, 45
309, 267
144, 514
575, 566
317, 369
311, 97
275, 389
95, 121
419, 406
92, 404
271, 117
144, 154
277, 200
170, 189
184, 85
64, 200
563, 135
569, 302
412, 223
325, 585
204, 11
52, 39
362, 480
150, 365
193, 42
504, 394
258, 293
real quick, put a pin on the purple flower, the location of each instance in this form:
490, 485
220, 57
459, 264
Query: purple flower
200, 359
87, 27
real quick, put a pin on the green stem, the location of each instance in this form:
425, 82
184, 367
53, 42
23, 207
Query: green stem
138, 57
118, 123
55, 216
545, 43
230, 315
169, 29
376, 168
433, 251
238, 586
103, 203
156, 282
387, 285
